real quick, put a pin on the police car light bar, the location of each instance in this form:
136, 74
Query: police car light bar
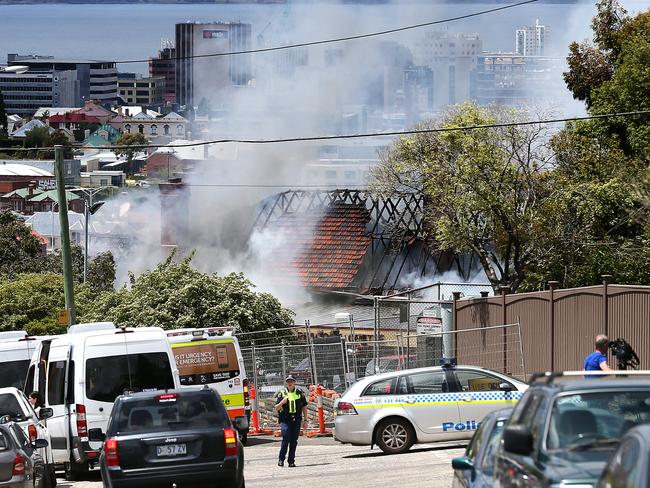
448, 362
550, 376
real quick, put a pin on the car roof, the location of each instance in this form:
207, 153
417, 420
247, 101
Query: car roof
12, 390
392, 374
594, 384
177, 391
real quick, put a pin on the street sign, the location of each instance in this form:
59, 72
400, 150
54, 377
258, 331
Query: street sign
63, 317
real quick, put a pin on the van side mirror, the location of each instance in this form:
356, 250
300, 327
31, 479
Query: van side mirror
240, 424
462, 463
96, 435
518, 439
45, 413
39, 443
505, 387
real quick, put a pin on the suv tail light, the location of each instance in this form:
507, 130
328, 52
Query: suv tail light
345, 408
19, 466
247, 398
82, 426
230, 438
32, 432
111, 453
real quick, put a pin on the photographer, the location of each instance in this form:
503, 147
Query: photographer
597, 360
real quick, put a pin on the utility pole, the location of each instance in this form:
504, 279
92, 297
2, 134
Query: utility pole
66, 253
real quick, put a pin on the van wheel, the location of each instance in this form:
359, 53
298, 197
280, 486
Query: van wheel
395, 436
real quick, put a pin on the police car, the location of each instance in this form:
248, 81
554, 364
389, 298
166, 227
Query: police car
396, 410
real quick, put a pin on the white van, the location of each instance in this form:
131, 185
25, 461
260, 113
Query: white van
16, 351
81, 373
212, 356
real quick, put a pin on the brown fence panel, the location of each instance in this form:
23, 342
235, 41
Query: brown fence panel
629, 317
558, 326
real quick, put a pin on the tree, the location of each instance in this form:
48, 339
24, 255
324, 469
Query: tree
483, 187
38, 137
130, 141
18, 247
175, 295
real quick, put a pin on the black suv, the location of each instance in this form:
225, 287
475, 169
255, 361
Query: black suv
566, 425
180, 438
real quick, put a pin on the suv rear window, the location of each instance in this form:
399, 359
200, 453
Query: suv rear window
4, 442
169, 412
13, 374
9, 406
110, 376
592, 417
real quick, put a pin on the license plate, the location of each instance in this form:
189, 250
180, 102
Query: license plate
171, 450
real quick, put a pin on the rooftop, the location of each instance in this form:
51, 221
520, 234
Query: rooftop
12, 169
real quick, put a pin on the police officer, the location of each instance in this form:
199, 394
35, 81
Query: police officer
291, 406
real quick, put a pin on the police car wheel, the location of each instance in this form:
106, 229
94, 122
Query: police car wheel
395, 436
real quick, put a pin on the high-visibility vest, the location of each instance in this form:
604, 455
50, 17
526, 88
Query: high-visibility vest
292, 397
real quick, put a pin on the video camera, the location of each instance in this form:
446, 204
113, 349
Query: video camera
625, 356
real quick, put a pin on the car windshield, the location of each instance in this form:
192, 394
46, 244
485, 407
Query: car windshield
13, 374
9, 406
492, 445
169, 412
589, 420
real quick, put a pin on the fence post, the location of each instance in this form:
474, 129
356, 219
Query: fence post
375, 347
504, 310
284, 362
552, 286
607, 280
310, 351
456, 296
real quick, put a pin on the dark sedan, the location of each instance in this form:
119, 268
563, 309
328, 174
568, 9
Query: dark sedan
629, 464
476, 467
181, 438
20, 464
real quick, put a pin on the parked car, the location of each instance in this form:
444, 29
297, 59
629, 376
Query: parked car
476, 468
82, 372
629, 464
396, 410
180, 437
15, 406
21, 465
566, 426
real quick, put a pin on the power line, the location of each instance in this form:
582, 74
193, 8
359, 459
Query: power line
253, 185
339, 39
352, 136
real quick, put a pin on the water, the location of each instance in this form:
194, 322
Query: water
124, 31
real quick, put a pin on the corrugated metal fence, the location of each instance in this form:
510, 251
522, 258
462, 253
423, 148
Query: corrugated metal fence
558, 327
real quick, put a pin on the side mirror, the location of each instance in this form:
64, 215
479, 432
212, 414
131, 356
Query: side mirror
462, 463
518, 439
96, 435
240, 424
39, 443
45, 413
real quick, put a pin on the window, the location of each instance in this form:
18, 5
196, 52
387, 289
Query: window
141, 129
180, 129
109, 377
182, 412
476, 381
623, 469
127, 128
487, 463
13, 374
382, 387
476, 442
428, 383
579, 418
9, 406
56, 383
166, 130
154, 129
210, 363
29, 384
4, 442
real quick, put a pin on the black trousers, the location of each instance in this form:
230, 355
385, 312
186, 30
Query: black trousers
290, 428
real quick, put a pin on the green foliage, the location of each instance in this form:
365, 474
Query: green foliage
484, 187
18, 247
38, 137
175, 295
135, 139
31, 302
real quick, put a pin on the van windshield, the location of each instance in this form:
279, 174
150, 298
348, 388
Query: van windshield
110, 376
170, 412
13, 373
206, 362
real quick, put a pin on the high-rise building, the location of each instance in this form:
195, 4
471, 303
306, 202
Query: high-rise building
531, 40
202, 77
137, 90
451, 58
97, 79
165, 65
25, 93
